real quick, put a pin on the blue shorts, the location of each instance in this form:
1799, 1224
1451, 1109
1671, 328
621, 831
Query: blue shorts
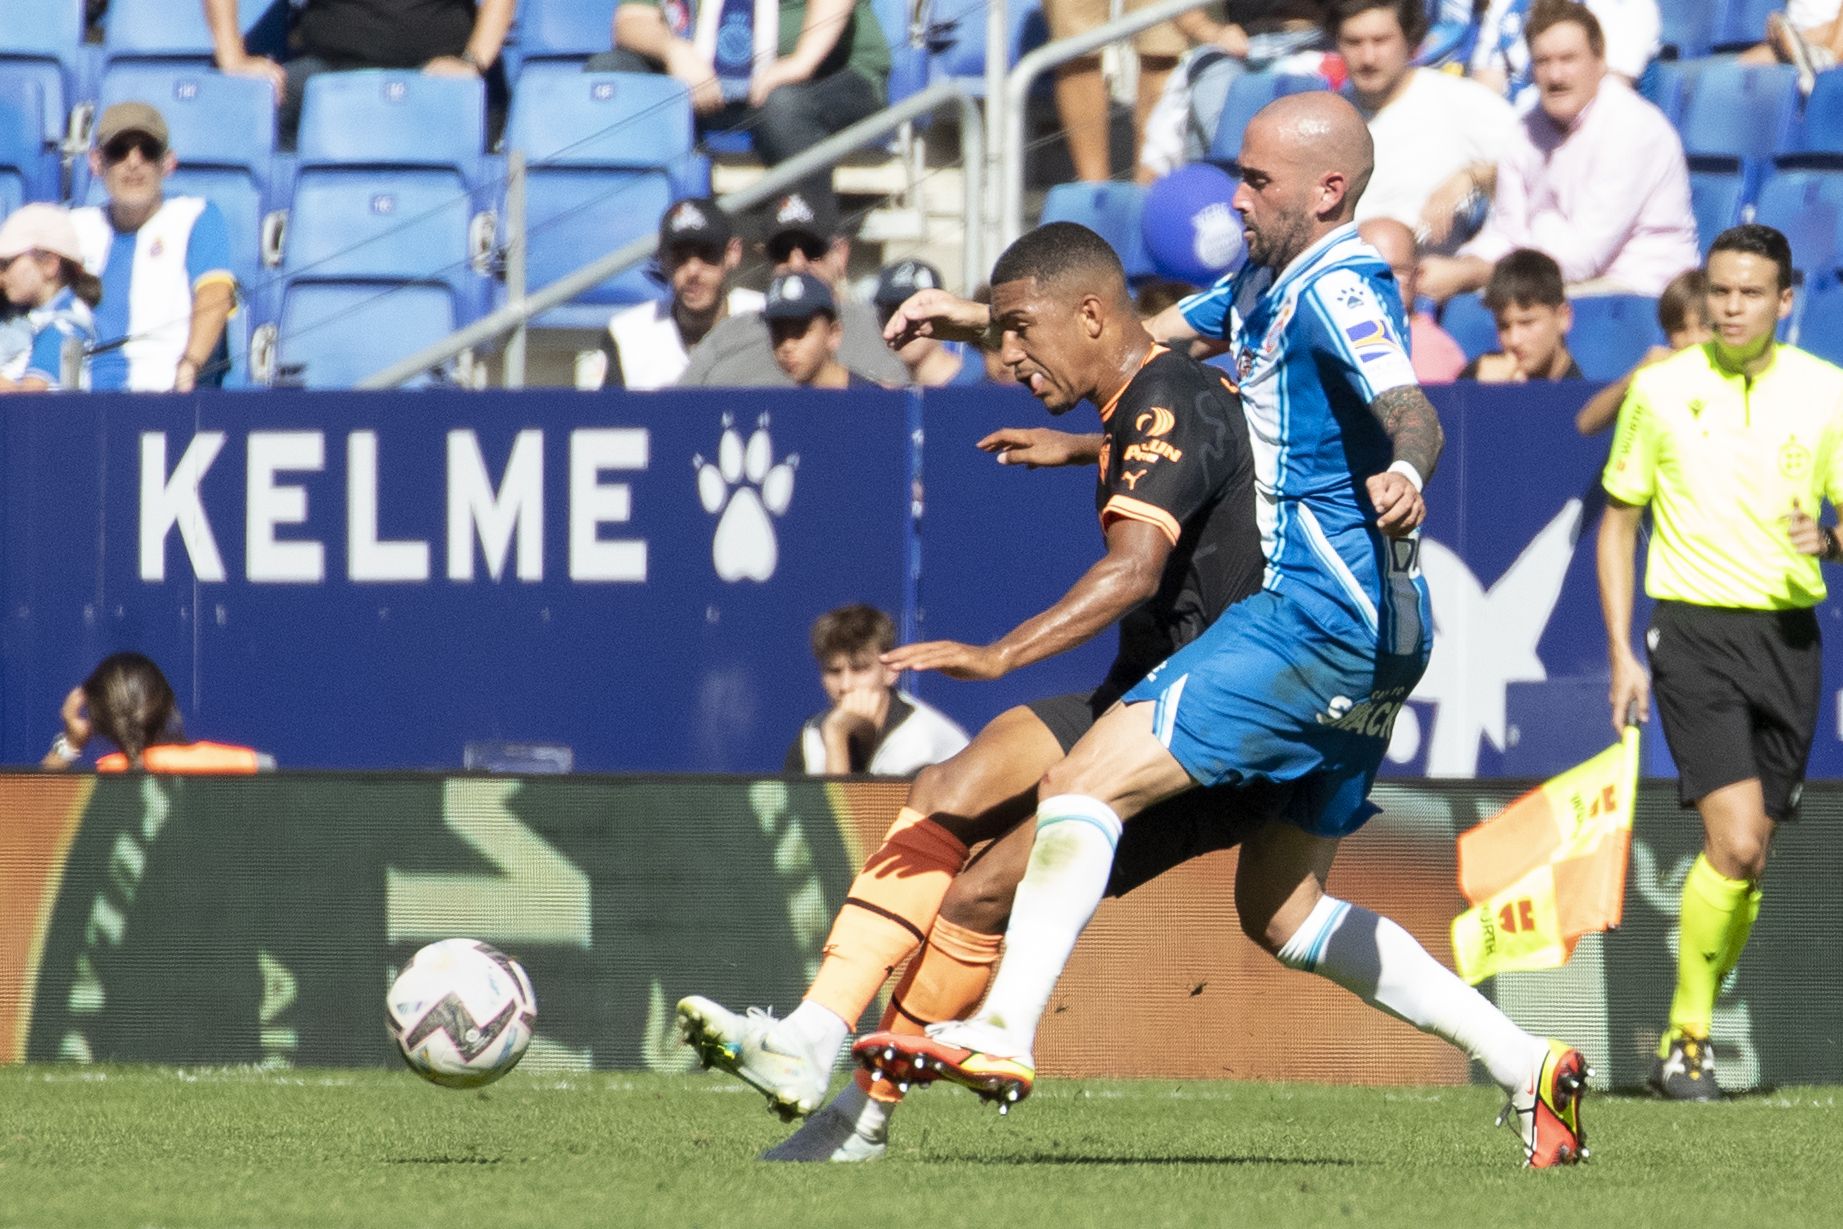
1267, 694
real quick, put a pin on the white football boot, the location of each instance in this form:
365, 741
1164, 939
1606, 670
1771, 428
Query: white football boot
752, 1048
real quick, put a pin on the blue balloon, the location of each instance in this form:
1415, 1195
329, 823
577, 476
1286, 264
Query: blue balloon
1190, 230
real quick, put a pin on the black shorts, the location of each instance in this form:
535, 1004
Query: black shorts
1738, 693
1176, 830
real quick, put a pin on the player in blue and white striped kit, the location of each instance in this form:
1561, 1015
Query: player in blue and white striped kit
1297, 686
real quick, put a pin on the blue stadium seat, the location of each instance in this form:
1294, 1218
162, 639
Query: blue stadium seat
1667, 85
605, 154
223, 130
1111, 210
43, 41
397, 119
375, 266
1737, 23
908, 63
1248, 95
28, 170
1806, 204
560, 30
1470, 323
1715, 197
1685, 27
1817, 140
166, 31
956, 37
1612, 332
1739, 112
1821, 322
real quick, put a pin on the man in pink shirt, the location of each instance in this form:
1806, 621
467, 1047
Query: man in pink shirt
1437, 358
1594, 176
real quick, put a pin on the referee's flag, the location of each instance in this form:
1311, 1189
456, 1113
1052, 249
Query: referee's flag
1548, 869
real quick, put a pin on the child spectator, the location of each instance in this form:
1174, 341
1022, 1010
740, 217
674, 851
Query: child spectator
1526, 297
871, 726
41, 270
803, 327
1683, 314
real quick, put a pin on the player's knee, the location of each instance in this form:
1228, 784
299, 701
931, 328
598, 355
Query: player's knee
980, 899
1740, 855
1062, 780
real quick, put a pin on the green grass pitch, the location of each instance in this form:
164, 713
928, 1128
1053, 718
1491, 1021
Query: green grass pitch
157, 1147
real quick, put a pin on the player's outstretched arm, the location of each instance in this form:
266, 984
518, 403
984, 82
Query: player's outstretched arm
1124, 577
1037, 447
935, 313
1413, 427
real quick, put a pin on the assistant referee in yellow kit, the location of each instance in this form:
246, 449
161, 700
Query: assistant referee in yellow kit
1733, 445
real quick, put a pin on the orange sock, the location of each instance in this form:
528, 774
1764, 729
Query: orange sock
945, 982
887, 913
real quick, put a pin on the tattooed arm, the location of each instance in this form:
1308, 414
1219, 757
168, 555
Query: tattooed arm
1414, 428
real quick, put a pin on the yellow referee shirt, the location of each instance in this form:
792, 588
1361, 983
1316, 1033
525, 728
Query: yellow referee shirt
1721, 458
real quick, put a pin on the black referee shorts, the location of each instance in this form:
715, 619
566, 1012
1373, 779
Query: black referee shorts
1738, 693
1176, 830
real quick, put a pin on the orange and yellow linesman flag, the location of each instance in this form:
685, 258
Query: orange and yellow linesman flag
1548, 869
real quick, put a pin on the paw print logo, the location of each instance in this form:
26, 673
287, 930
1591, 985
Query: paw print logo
745, 489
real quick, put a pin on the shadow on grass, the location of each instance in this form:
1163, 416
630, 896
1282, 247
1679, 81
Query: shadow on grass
1069, 1158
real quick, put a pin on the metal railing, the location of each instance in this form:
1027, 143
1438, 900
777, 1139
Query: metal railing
521, 308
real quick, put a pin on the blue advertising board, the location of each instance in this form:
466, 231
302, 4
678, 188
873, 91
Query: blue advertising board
379, 580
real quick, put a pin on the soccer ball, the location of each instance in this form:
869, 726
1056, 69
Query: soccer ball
462, 1013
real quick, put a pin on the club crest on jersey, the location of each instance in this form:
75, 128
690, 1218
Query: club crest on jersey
1370, 340
1277, 329
1244, 362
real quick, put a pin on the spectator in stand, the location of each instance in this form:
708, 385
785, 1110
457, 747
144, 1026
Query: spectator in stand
1808, 35
129, 702
1501, 56
792, 73
804, 236
648, 345
1594, 176
41, 271
932, 363
1437, 358
1226, 43
164, 261
443, 38
1683, 314
870, 727
1437, 136
1527, 299
803, 327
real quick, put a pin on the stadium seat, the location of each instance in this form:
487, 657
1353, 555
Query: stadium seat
223, 131
908, 62
605, 154
1821, 322
1715, 197
1817, 139
1685, 27
1249, 94
567, 31
1667, 85
28, 170
956, 37
1111, 210
165, 31
1739, 112
42, 40
1612, 332
1806, 204
1737, 23
375, 266
1470, 323
394, 119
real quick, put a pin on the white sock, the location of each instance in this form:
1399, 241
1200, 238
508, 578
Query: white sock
820, 1030
1069, 866
868, 1115
1383, 965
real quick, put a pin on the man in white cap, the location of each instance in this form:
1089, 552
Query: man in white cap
41, 271
164, 261
648, 345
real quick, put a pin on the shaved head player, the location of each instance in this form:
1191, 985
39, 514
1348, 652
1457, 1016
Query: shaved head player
1175, 496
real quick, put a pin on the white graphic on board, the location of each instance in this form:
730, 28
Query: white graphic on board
746, 489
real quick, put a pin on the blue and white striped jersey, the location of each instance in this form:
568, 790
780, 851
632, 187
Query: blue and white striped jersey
1312, 348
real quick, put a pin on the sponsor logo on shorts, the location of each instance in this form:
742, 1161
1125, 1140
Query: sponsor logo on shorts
1372, 718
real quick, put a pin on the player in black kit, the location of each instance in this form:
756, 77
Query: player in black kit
1176, 502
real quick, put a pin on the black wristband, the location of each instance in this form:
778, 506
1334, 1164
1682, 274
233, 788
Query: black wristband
1832, 550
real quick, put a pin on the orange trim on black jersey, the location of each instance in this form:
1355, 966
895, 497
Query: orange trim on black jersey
1108, 409
1139, 510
